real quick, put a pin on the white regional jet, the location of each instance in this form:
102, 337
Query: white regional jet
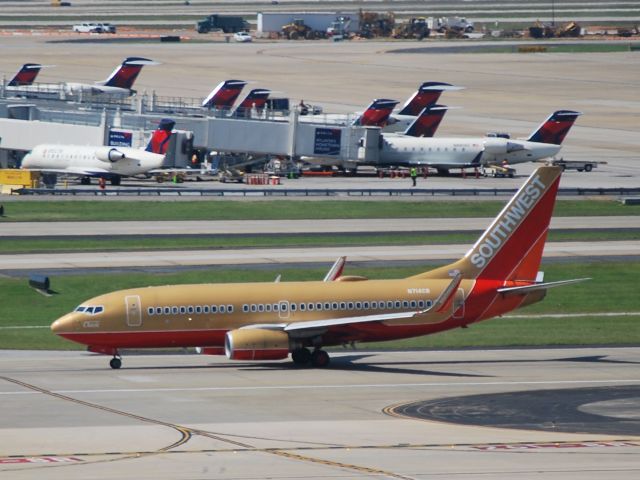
108, 162
119, 84
462, 152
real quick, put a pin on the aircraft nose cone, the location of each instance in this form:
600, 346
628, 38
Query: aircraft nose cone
63, 324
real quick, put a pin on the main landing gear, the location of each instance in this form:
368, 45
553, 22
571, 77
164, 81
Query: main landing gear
318, 358
116, 362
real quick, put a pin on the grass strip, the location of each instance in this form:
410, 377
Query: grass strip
94, 210
613, 289
106, 243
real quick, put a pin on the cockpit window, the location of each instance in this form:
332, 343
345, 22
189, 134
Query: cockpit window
90, 309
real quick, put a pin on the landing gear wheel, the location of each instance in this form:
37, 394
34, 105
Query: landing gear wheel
320, 359
115, 363
301, 356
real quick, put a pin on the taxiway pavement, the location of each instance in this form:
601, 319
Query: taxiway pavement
253, 256
240, 227
66, 415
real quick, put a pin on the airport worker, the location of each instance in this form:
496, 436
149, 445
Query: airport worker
414, 175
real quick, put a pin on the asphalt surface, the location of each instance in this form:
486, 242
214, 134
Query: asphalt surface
67, 415
239, 227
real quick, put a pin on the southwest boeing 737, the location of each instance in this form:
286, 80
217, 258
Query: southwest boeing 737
269, 321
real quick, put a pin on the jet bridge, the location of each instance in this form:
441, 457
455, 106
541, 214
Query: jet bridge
255, 133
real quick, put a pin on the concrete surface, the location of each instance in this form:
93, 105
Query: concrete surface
68, 416
240, 227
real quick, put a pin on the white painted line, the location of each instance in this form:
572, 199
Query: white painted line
326, 387
574, 315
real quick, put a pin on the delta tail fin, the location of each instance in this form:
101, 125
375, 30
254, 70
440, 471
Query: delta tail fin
426, 124
555, 128
26, 75
257, 98
126, 73
377, 114
159, 141
511, 248
427, 94
224, 94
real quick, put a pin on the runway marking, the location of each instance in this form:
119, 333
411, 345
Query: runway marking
21, 327
312, 387
187, 433
576, 315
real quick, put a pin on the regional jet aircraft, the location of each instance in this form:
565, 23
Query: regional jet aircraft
119, 84
106, 162
269, 321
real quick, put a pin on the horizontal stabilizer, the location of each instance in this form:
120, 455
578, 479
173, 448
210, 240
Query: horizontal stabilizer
538, 286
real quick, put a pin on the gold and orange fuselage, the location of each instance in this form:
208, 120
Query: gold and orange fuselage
200, 315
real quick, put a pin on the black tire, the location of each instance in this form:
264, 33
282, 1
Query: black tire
320, 359
115, 363
588, 167
301, 356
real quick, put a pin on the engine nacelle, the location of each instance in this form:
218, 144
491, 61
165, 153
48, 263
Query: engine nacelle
500, 146
256, 344
110, 155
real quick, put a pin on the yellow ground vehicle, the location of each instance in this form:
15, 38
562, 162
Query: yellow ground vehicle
298, 30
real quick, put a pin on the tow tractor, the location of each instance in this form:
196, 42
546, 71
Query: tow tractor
498, 171
581, 166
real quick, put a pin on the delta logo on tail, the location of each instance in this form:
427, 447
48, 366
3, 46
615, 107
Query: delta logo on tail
427, 94
159, 141
555, 128
426, 124
26, 75
125, 75
377, 114
224, 94
257, 98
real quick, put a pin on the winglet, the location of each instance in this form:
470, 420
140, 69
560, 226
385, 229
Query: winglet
336, 270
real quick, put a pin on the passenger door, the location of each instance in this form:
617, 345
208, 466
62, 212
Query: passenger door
134, 311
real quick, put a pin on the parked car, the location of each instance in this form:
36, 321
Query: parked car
107, 27
93, 27
242, 37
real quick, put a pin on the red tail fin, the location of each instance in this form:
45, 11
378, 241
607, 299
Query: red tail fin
377, 114
555, 128
224, 95
428, 93
426, 124
160, 139
257, 98
127, 72
511, 248
26, 75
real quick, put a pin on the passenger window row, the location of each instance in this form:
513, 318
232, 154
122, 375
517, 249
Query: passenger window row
190, 309
335, 306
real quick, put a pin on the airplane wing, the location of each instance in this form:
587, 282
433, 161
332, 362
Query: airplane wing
312, 327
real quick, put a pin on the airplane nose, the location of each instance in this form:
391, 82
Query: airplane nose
63, 324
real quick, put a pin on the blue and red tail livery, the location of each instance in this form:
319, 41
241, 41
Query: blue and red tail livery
555, 128
426, 124
126, 73
427, 94
225, 94
26, 75
377, 114
160, 138
257, 98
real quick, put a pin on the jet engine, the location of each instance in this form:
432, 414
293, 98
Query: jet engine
110, 155
256, 344
500, 146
